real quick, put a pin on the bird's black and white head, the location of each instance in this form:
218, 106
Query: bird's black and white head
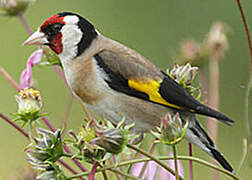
67, 34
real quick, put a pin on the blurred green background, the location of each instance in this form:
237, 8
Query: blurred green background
153, 28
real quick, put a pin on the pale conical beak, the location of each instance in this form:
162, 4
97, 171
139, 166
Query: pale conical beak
37, 38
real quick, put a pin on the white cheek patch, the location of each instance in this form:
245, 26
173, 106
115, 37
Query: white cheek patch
71, 19
71, 37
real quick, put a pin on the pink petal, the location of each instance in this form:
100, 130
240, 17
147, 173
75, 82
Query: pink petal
35, 58
26, 76
150, 170
136, 168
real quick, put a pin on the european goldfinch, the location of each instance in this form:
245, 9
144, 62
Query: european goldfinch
111, 79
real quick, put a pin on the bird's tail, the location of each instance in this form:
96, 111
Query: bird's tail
205, 110
197, 135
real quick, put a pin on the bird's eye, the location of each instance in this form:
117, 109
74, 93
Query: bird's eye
56, 27
52, 29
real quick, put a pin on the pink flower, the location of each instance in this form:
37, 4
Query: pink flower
149, 173
26, 76
154, 171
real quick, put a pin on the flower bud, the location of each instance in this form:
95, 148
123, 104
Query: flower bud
184, 74
47, 148
172, 130
13, 7
112, 140
29, 101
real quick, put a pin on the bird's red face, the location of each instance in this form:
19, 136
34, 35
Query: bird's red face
67, 34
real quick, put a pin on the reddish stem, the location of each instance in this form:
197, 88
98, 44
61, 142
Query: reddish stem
245, 24
190, 161
61, 74
14, 125
48, 124
10, 79
24, 22
69, 168
76, 162
92, 173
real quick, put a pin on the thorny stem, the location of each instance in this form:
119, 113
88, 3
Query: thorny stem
152, 158
10, 79
125, 163
175, 162
14, 125
190, 161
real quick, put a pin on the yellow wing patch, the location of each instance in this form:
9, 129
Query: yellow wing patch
150, 87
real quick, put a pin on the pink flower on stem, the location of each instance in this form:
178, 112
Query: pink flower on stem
154, 171
26, 76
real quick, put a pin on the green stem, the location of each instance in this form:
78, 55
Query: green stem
124, 174
146, 164
165, 166
133, 157
175, 161
71, 156
125, 163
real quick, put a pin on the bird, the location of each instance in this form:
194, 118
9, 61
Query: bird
111, 78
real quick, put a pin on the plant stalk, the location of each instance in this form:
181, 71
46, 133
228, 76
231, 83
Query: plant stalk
175, 162
125, 163
190, 161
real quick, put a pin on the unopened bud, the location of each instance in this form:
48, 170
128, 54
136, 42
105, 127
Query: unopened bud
113, 140
172, 130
